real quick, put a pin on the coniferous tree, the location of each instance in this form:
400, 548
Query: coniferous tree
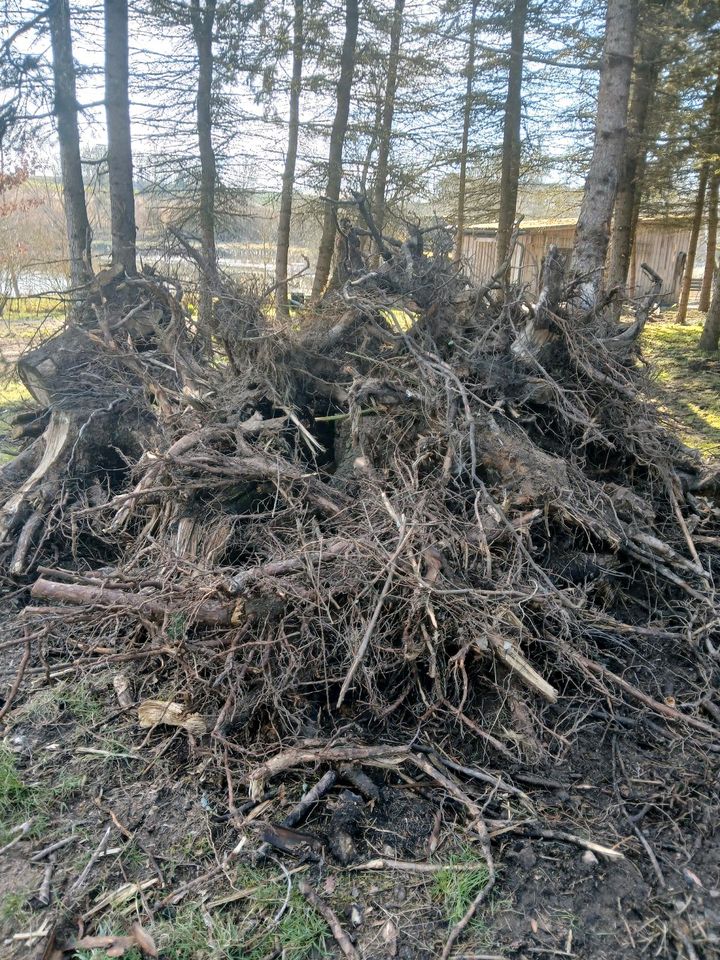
66, 116
119, 158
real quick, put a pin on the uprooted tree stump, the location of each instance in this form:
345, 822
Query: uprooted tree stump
422, 494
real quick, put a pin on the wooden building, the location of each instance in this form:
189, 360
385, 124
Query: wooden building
661, 243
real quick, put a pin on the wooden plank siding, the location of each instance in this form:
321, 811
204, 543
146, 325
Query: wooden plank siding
661, 244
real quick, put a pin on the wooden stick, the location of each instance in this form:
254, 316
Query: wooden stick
480, 828
210, 612
663, 709
46, 851
365, 642
296, 757
326, 912
17, 681
97, 853
515, 661
410, 866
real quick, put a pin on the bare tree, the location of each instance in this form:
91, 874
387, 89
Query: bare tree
203, 22
288, 181
66, 111
510, 174
467, 118
592, 233
117, 112
381, 174
711, 248
337, 139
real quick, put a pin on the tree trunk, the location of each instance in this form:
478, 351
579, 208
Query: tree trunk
467, 117
288, 181
337, 139
117, 111
710, 337
381, 174
706, 290
592, 233
203, 21
510, 174
65, 109
632, 171
692, 246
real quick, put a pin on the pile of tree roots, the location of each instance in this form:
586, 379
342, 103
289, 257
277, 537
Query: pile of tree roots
419, 509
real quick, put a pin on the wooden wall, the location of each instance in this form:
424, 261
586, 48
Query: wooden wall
663, 247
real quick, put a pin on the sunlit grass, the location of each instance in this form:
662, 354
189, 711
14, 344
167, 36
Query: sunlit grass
687, 381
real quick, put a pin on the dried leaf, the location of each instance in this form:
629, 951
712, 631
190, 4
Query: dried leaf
152, 712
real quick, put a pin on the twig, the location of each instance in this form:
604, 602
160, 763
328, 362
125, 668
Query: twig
326, 912
22, 830
381, 756
411, 866
480, 828
670, 712
43, 897
58, 845
364, 643
97, 853
17, 681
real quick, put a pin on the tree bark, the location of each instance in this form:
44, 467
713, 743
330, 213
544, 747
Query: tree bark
288, 181
706, 290
710, 337
117, 111
510, 174
381, 174
467, 117
203, 22
65, 109
692, 246
337, 139
592, 233
632, 171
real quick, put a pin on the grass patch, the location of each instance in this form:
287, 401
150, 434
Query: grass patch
250, 935
65, 700
20, 801
456, 889
15, 913
686, 380
15, 797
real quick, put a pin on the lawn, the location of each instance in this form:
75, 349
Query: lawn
686, 381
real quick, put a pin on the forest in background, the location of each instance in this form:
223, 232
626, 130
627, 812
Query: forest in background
380, 621
245, 117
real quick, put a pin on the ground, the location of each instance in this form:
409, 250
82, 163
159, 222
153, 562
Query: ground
75, 765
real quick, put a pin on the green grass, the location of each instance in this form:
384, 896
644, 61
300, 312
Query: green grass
15, 912
26, 307
15, 797
687, 381
21, 801
191, 935
456, 889
68, 698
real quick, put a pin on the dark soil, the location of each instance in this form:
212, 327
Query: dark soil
607, 774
